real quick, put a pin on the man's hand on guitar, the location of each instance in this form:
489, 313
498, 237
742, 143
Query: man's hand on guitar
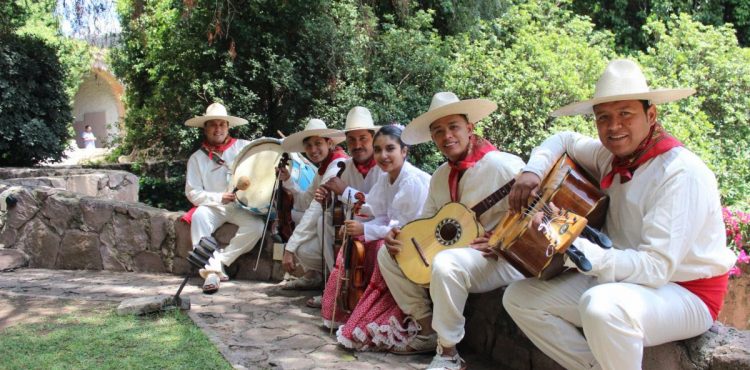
321, 194
526, 186
538, 236
354, 228
335, 185
287, 261
481, 244
394, 246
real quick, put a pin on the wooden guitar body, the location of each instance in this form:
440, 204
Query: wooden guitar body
580, 202
453, 226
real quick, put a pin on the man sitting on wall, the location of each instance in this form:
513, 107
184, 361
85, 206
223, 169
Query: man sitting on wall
206, 186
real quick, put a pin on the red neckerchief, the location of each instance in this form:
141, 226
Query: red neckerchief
478, 147
210, 150
365, 168
336, 153
657, 142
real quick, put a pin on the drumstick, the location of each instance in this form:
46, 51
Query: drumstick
281, 134
242, 184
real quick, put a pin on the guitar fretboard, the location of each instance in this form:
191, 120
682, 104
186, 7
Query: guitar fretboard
493, 198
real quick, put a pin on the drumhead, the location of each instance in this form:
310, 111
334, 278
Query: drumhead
257, 161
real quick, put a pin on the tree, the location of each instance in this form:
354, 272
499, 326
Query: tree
34, 108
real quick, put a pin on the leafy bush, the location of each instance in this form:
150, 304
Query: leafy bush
34, 109
716, 122
532, 60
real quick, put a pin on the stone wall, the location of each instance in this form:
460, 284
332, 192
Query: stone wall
490, 331
107, 184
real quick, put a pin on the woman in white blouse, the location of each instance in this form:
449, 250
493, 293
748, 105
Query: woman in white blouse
376, 323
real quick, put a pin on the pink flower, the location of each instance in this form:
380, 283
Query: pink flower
735, 271
743, 257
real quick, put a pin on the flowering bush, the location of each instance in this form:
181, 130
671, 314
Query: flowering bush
738, 237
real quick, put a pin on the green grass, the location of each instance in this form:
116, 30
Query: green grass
100, 339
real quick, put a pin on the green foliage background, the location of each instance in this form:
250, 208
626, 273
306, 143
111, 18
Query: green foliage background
280, 63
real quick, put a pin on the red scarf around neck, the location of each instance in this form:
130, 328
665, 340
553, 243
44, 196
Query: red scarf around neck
218, 149
364, 168
657, 142
478, 147
334, 154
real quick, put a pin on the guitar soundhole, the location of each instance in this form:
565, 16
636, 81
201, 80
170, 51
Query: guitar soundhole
448, 232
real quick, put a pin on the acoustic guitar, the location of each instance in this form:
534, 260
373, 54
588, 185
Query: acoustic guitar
453, 226
579, 205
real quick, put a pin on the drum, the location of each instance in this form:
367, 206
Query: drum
258, 161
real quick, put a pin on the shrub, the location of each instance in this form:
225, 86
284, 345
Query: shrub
34, 108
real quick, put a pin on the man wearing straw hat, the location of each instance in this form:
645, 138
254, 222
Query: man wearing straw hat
206, 186
304, 244
475, 169
360, 174
666, 276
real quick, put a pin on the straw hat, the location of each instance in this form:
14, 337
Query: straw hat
358, 118
622, 80
315, 127
215, 111
445, 104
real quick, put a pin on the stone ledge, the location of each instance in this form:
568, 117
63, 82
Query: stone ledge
108, 184
491, 331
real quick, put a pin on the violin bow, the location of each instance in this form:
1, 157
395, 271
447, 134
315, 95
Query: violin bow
338, 281
268, 216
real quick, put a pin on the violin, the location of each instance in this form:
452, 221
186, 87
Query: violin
284, 204
352, 279
337, 213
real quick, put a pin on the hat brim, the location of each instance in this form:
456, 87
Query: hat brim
342, 133
200, 120
659, 96
418, 130
294, 142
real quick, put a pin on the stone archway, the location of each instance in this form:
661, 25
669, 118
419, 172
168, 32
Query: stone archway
98, 103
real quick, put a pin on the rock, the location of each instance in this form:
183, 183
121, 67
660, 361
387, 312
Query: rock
158, 229
146, 261
40, 243
11, 259
59, 210
95, 212
108, 250
130, 234
225, 233
147, 305
24, 210
79, 251
183, 244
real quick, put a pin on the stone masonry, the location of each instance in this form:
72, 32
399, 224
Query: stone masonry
97, 228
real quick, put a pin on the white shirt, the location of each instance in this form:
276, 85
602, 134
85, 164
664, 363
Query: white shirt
356, 182
665, 223
205, 180
89, 140
307, 228
488, 175
396, 204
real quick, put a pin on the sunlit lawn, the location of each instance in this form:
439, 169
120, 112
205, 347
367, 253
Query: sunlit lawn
99, 339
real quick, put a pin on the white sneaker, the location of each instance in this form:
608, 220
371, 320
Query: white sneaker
418, 344
440, 362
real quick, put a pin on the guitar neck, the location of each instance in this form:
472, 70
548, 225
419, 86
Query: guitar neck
493, 199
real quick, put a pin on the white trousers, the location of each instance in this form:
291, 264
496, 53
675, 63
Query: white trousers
618, 319
455, 274
207, 219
